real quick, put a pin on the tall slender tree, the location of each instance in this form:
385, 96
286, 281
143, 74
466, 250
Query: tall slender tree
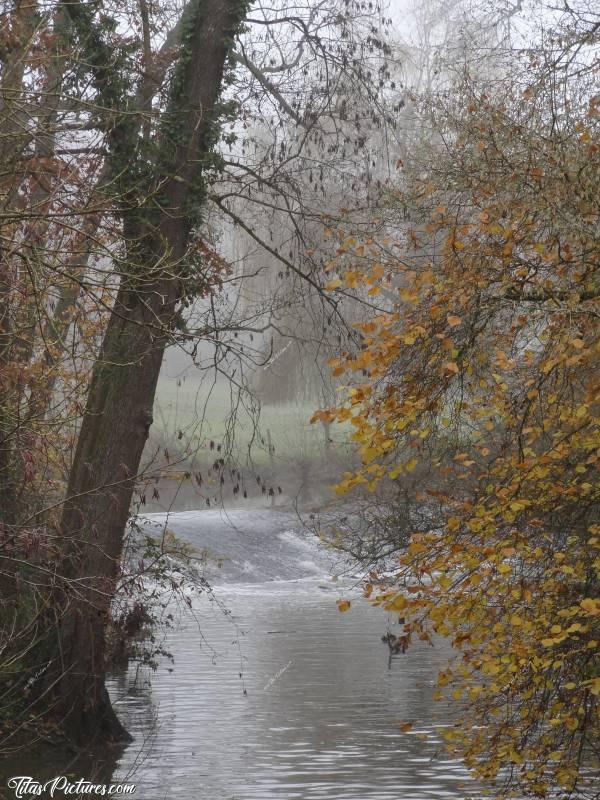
111, 130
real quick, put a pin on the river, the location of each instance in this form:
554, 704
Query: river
273, 693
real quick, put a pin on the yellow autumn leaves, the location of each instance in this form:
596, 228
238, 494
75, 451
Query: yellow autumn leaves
481, 398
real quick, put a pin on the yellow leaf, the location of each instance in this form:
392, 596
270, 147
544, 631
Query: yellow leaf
408, 296
515, 757
518, 505
451, 366
399, 603
590, 606
343, 605
594, 686
351, 279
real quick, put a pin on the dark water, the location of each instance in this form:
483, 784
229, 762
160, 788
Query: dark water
283, 696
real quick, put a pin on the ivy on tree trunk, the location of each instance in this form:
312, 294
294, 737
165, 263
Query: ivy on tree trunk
159, 213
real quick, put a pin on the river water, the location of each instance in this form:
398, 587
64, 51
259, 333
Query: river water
273, 692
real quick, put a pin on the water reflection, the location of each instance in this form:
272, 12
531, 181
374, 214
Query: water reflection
297, 703
97, 768
282, 697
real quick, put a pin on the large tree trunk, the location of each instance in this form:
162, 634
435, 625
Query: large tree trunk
119, 407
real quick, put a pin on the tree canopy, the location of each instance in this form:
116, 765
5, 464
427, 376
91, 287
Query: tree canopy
477, 385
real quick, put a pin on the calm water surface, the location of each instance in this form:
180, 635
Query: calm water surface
283, 696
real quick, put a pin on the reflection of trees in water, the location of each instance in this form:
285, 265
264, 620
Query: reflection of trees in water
95, 767
131, 693
338, 692
326, 720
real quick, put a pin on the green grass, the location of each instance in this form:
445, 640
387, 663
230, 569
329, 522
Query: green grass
194, 413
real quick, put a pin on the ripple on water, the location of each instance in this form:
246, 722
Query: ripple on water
318, 717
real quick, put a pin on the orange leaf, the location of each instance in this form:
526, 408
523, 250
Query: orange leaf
451, 366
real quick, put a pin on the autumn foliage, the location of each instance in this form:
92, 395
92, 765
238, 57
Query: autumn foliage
481, 370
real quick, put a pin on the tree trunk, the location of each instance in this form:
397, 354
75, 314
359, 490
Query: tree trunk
118, 414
